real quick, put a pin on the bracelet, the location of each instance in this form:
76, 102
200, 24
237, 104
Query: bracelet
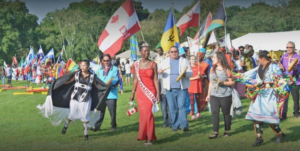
133, 91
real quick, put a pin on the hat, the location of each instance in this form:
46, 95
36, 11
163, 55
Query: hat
246, 51
181, 51
203, 50
241, 47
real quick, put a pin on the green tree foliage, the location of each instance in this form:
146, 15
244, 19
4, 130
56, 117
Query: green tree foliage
17, 29
79, 26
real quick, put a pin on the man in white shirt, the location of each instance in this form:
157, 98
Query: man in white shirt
176, 91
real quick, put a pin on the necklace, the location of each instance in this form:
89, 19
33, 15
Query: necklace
144, 63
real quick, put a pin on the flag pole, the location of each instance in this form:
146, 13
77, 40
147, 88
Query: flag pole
225, 28
142, 35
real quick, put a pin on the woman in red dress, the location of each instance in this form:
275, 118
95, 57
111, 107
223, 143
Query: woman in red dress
146, 87
195, 88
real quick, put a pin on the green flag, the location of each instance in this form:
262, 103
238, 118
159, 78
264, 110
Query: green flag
4, 65
21, 62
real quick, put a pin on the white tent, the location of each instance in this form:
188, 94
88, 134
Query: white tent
268, 41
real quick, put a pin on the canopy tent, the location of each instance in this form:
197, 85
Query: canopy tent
126, 54
268, 41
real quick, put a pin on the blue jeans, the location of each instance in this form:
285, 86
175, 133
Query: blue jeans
3, 80
9, 79
165, 110
176, 100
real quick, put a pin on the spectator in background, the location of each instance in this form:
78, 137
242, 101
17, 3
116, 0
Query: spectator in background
128, 72
123, 68
239, 63
2, 75
8, 72
160, 56
284, 63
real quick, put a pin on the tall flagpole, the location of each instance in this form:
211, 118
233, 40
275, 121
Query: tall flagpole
225, 28
142, 35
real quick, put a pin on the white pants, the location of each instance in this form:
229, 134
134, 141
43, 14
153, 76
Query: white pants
80, 110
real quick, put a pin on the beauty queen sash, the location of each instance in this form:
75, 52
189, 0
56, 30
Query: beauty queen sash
145, 90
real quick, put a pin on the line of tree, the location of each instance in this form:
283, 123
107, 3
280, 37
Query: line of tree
79, 26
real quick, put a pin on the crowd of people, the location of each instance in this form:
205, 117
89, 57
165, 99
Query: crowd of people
39, 74
185, 84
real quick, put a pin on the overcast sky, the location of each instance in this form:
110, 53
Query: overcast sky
42, 7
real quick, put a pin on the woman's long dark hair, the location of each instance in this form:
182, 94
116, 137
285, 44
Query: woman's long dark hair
235, 53
264, 54
221, 57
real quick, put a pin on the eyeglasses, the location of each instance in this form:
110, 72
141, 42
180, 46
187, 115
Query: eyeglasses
106, 60
289, 47
173, 51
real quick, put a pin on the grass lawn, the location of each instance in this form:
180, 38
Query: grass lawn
23, 128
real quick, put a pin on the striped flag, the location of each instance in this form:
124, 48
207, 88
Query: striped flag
120, 27
59, 59
202, 30
71, 66
170, 35
134, 46
190, 19
49, 56
40, 53
219, 19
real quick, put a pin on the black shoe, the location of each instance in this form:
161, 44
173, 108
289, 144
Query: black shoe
64, 130
185, 129
174, 130
296, 115
258, 142
113, 128
226, 134
280, 138
94, 129
86, 137
283, 117
215, 135
165, 126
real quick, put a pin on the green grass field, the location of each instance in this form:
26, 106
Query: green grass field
23, 128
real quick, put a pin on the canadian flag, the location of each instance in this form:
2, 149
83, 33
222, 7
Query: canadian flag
120, 27
190, 19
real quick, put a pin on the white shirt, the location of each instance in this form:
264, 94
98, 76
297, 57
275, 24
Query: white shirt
38, 70
184, 81
237, 64
127, 68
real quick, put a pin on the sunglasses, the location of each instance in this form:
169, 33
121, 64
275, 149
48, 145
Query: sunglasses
289, 47
106, 60
173, 51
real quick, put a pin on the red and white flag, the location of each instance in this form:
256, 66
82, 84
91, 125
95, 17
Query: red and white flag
120, 27
190, 19
15, 60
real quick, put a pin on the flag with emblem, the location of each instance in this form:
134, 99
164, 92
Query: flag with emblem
170, 35
120, 27
189, 19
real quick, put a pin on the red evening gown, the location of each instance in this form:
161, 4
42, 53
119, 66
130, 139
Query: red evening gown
146, 124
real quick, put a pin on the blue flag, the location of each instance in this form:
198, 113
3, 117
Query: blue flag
133, 47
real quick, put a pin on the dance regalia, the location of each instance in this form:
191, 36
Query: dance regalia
63, 99
267, 88
204, 82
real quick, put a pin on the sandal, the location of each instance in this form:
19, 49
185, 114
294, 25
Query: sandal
147, 144
226, 134
215, 135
